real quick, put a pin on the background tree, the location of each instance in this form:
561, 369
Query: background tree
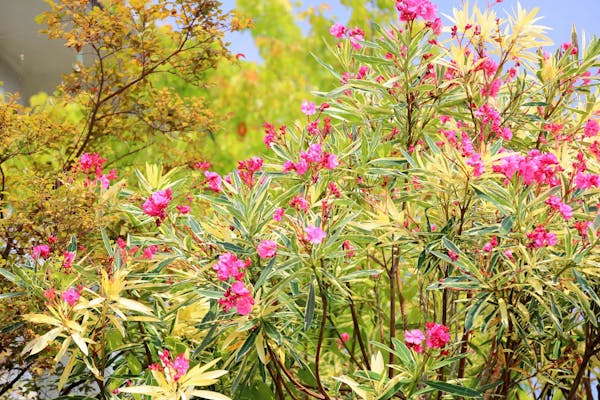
113, 103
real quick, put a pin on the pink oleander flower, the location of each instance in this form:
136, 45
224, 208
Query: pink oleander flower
329, 161
488, 66
540, 237
492, 89
586, 181
202, 165
230, 266
91, 162
313, 154
350, 250
40, 251
582, 227
591, 128
314, 234
509, 254
121, 243
68, 257
71, 296
489, 246
556, 204
338, 30
413, 340
344, 337
156, 204
148, 252
183, 209
453, 255
181, 365
267, 249
477, 164
356, 36
308, 108
247, 168
237, 296
412, 9
335, 191
437, 335
278, 214
106, 178
299, 203
214, 180
50, 294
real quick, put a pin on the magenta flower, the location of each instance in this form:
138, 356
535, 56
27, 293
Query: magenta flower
183, 209
267, 249
40, 251
314, 234
299, 203
237, 296
412, 9
181, 366
453, 255
350, 250
413, 340
71, 296
308, 108
565, 210
68, 257
586, 181
278, 214
338, 30
214, 180
540, 237
437, 335
591, 128
91, 162
156, 204
230, 266
148, 252
247, 168
344, 337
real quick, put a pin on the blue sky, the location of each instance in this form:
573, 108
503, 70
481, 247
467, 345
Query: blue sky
559, 15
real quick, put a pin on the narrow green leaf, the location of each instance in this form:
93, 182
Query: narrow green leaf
72, 247
13, 294
309, 311
454, 389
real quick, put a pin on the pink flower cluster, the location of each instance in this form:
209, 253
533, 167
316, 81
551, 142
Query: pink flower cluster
92, 163
173, 369
355, 35
564, 209
308, 108
586, 181
214, 181
314, 157
490, 116
247, 168
229, 266
412, 9
344, 337
267, 249
314, 234
537, 167
540, 237
40, 251
71, 296
436, 337
271, 135
68, 258
237, 296
156, 205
